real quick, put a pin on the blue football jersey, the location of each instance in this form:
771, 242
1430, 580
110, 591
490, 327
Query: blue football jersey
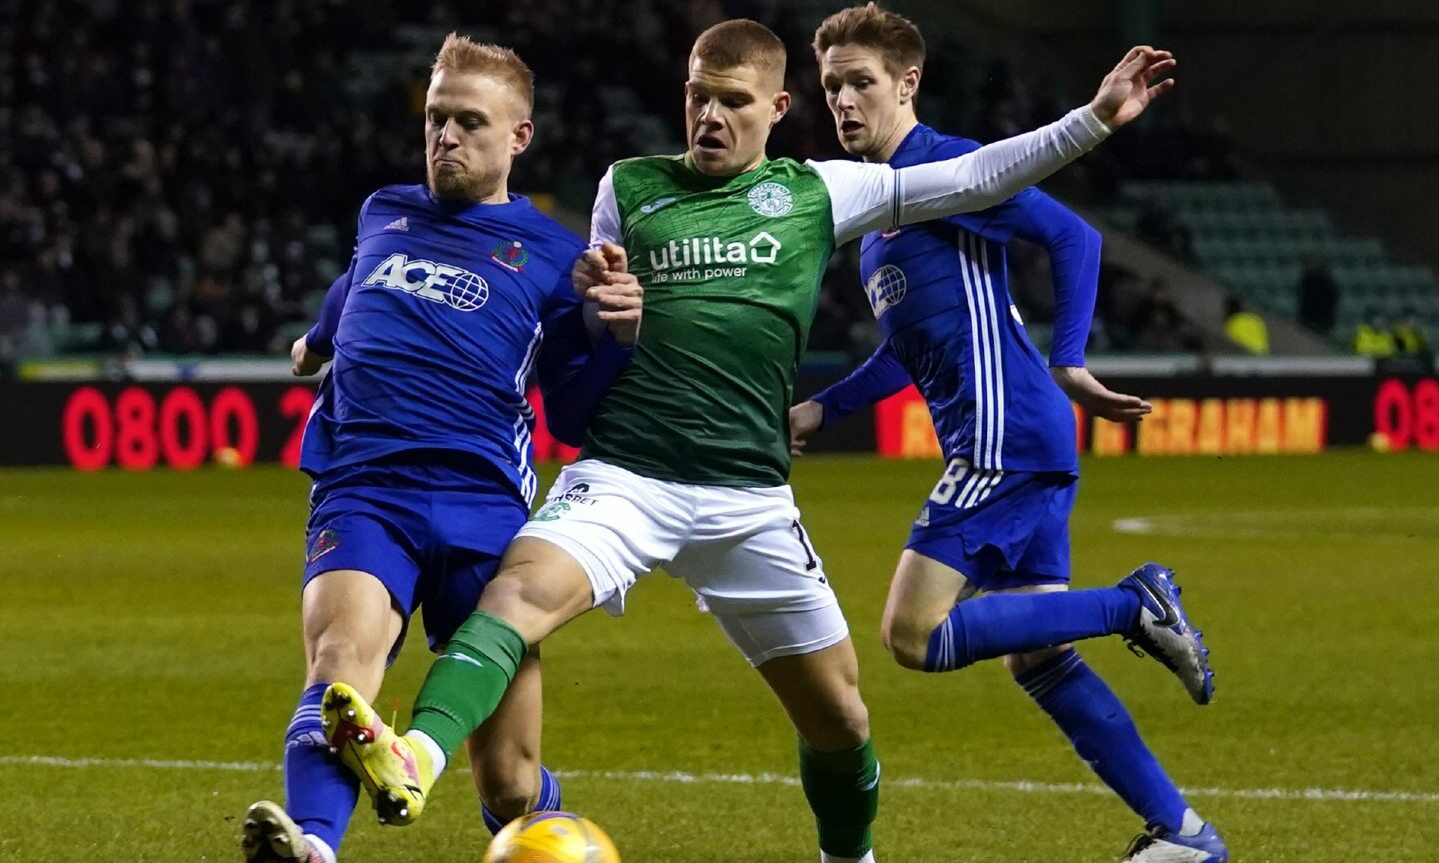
939, 292
445, 312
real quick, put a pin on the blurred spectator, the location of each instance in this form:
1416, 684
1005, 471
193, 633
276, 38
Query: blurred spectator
186, 173
1245, 328
14, 315
1318, 297
127, 334
1160, 325
177, 334
1161, 227
1409, 337
1116, 309
247, 331
1177, 145
165, 166
1004, 104
1373, 338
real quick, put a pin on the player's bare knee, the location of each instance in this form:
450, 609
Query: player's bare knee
509, 793
538, 589
837, 721
506, 770
505, 596
845, 727
907, 641
856, 721
342, 655
909, 652
1020, 663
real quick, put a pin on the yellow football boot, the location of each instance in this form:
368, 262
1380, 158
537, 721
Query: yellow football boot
396, 773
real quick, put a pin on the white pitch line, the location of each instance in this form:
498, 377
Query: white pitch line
1357, 523
682, 778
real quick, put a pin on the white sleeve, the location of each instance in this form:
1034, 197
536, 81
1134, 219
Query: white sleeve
605, 217
866, 196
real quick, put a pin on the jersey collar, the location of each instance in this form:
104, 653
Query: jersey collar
708, 182
462, 210
911, 151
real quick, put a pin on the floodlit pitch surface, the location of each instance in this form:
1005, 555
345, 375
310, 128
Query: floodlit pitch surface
152, 660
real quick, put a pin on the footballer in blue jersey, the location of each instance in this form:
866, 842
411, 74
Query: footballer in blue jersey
419, 441
997, 522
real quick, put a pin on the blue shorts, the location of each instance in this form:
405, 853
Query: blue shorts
1000, 529
432, 531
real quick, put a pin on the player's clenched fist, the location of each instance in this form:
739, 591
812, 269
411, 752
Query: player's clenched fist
621, 304
601, 277
303, 361
589, 270
805, 419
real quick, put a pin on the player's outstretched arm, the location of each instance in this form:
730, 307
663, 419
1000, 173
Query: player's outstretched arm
311, 351
575, 371
1074, 251
1098, 400
867, 197
877, 378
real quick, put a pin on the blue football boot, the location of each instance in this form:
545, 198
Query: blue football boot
1165, 633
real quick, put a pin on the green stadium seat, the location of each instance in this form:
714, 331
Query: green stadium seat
1247, 239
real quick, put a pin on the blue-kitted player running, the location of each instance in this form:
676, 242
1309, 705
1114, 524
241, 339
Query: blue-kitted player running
419, 442
998, 521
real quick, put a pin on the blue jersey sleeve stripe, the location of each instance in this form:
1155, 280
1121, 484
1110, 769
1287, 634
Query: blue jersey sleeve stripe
998, 359
980, 404
989, 378
988, 341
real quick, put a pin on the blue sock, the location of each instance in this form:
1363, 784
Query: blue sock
1003, 623
320, 793
1095, 721
548, 800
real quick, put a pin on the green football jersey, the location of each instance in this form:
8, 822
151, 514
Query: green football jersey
731, 268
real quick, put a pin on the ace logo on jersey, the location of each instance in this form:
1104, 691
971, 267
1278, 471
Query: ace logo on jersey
439, 283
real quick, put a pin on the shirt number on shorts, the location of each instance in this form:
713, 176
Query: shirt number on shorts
944, 490
811, 562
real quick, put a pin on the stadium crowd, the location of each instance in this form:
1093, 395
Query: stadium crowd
182, 176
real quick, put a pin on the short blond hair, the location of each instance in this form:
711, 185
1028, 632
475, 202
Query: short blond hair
463, 54
892, 35
741, 42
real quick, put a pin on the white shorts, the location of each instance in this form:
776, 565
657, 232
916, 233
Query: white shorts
742, 551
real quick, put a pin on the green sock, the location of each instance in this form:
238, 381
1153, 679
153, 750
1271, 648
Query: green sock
467, 680
843, 792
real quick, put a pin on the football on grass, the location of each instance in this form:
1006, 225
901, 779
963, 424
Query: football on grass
552, 837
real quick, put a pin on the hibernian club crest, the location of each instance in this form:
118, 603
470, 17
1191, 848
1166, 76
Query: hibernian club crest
771, 199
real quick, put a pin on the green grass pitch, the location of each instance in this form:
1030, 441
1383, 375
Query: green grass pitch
150, 621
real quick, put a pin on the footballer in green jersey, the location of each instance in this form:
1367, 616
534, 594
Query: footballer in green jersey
685, 464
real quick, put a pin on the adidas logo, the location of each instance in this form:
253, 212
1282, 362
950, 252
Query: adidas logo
400, 224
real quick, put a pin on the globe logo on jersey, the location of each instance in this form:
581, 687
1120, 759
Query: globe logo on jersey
771, 199
467, 291
457, 288
886, 287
